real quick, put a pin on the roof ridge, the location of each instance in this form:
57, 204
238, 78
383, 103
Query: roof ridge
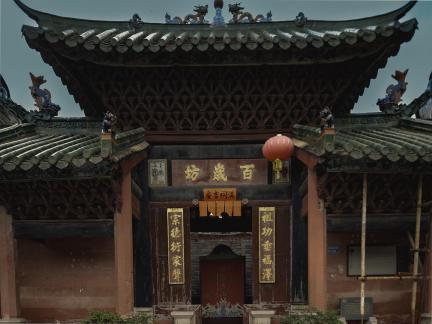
394, 15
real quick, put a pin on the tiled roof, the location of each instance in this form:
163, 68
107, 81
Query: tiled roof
108, 36
374, 138
49, 144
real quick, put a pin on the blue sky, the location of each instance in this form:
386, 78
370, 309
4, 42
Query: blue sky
17, 60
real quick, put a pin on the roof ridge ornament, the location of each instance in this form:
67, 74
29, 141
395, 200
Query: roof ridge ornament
197, 18
135, 22
46, 108
218, 19
300, 20
394, 92
246, 17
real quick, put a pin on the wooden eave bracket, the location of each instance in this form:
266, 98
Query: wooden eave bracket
306, 157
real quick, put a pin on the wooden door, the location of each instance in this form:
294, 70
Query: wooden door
222, 280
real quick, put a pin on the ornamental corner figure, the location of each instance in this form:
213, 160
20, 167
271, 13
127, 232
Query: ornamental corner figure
326, 119
42, 97
108, 122
390, 103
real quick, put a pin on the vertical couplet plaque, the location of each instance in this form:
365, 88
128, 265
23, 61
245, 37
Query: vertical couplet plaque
267, 244
175, 246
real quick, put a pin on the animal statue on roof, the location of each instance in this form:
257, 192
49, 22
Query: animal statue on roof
42, 97
326, 119
135, 22
267, 18
300, 19
175, 20
108, 123
246, 17
196, 18
390, 103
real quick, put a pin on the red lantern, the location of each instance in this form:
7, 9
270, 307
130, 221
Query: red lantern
277, 149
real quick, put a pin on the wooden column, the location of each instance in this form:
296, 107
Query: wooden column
317, 246
428, 308
8, 287
123, 240
416, 249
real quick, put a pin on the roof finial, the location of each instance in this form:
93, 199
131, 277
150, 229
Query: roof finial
218, 4
218, 19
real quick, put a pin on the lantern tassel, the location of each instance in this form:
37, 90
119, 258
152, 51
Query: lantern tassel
277, 166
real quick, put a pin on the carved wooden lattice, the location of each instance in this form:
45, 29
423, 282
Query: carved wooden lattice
83, 199
387, 193
218, 98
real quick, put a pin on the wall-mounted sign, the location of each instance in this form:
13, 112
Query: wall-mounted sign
157, 173
220, 194
175, 246
219, 172
266, 244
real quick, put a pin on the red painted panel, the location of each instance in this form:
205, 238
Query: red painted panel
222, 279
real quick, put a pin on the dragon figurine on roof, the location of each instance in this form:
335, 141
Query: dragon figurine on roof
42, 97
390, 103
196, 18
246, 17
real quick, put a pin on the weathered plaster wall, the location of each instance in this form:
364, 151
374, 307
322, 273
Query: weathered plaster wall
65, 278
392, 298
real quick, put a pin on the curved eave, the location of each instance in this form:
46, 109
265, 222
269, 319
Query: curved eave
155, 41
394, 140
49, 20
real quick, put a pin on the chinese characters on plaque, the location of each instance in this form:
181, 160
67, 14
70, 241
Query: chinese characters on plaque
219, 172
157, 173
266, 244
175, 246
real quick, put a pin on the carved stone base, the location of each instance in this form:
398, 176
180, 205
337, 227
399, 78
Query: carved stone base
183, 317
261, 316
12, 320
426, 318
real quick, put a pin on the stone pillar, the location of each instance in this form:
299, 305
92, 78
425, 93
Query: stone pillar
123, 240
317, 246
8, 288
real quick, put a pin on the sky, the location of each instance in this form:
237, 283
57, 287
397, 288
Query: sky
17, 59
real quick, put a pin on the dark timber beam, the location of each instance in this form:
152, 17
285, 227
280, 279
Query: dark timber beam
305, 157
196, 152
56, 229
188, 193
